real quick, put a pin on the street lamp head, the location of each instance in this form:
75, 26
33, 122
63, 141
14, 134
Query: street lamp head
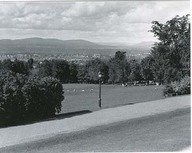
99, 74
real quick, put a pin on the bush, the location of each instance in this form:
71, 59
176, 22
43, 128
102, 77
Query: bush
184, 86
181, 87
43, 97
25, 99
11, 96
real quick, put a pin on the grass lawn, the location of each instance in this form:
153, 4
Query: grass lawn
80, 97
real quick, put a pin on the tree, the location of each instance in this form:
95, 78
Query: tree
15, 66
112, 70
61, 70
146, 68
159, 63
45, 68
93, 67
118, 68
82, 73
30, 66
30, 63
7, 64
174, 37
73, 72
20, 67
0, 65
135, 71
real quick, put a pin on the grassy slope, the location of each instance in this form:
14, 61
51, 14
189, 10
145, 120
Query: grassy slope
85, 96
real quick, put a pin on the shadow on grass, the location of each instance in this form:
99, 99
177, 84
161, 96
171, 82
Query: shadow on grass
56, 117
69, 115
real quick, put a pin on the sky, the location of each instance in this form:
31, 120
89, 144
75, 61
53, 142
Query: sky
124, 22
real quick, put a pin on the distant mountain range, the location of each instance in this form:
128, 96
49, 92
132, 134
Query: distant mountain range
52, 46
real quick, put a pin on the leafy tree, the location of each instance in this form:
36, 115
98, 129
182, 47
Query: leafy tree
0, 65
159, 63
73, 72
93, 67
20, 67
7, 64
112, 70
104, 69
30, 66
82, 73
146, 68
61, 70
16, 66
45, 68
30, 63
174, 37
118, 68
135, 71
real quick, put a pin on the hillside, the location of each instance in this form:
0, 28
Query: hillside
56, 46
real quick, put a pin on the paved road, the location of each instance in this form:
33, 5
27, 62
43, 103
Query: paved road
164, 132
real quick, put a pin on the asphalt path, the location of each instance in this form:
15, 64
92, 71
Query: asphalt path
163, 132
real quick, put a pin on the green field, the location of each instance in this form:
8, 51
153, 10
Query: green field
80, 97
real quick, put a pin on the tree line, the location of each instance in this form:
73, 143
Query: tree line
116, 70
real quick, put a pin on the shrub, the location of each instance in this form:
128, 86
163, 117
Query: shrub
25, 99
184, 86
181, 87
43, 97
11, 96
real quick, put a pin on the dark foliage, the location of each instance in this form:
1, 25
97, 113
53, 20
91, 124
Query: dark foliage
43, 97
25, 99
11, 96
119, 68
172, 54
135, 74
60, 70
146, 68
73, 73
181, 87
93, 67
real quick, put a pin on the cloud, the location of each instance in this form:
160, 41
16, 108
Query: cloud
118, 21
60, 16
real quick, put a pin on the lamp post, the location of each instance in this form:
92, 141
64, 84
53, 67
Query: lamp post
99, 75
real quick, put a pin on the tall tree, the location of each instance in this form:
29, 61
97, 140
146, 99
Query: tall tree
146, 68
82, 74
61, 70
45, 68
73, 72
118, 68
95, 66
174, 37
135, 71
